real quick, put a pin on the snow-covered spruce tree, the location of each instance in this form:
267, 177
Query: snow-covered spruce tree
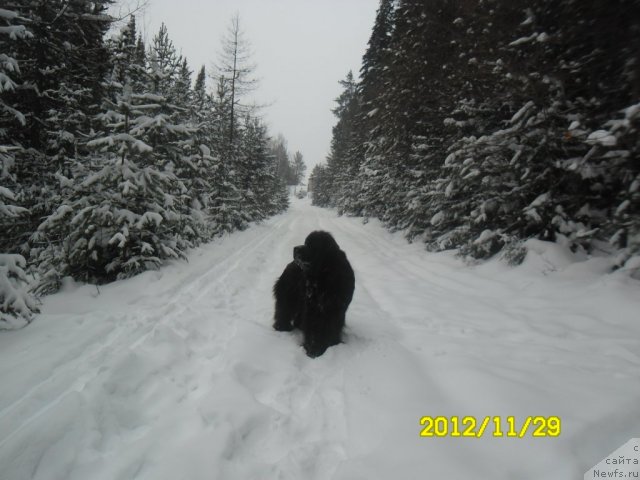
61, 67
225, 208
206, 167
262, 191
614, 151
123, 218
596, 58
131, 211
278, 148
394, 111
79, 92
344, 143
260, 186
490, 122
199, 96
175, 137
496, 186
13, 31
298, 167
279, 191
450, 45
443, 51
551, 171
320, 186
242, 181
168, 70
233, 74
250, 160
479, 184
17, 305
49, 252
360, 195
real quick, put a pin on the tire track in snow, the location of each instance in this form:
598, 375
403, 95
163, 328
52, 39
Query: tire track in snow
307, 416
311, 403
126, 335
189, 380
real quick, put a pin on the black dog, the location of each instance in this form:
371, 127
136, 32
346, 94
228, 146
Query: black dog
314, 292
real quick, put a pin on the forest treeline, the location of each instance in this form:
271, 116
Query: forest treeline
113, 159
478, 124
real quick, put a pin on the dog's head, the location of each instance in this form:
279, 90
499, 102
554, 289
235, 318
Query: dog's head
318, 248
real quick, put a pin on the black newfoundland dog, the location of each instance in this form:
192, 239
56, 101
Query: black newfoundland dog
314, 292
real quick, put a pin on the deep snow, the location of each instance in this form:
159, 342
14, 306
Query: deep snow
177, 374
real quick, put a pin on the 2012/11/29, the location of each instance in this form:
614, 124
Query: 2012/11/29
469, 426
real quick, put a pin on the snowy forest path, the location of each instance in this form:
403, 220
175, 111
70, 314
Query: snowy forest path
178, 373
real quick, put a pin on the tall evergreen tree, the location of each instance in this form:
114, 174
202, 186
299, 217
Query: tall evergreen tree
319, 184
131, 210
343, 160
200, 93
283, 164
263, 191
17, 305
166, 64
298, 167
62, 72
121, 163
484, 123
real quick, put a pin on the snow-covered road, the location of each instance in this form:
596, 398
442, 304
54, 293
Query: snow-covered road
177, 374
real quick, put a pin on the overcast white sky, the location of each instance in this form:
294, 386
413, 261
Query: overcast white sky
302, 48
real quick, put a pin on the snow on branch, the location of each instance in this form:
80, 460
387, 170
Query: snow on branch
17, 305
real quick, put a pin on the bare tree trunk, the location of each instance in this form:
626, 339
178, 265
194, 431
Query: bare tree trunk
235, 64
234, 76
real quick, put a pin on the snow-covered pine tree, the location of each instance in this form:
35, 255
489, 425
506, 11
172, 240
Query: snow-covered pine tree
199, 96
489, 122
344, 142
182, 93
249, 160
79, 91
62, 69
165, 65
226, 197
17, 305
593, 52
261, 188
394, 111
299, 167
546, 172
277, 151
206, 167
13, 31
472, 194
130, 212
278, 148
359, 197
320, 186
375, 62
233, 74
175, 135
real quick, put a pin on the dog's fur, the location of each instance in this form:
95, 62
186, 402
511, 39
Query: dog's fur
314, 292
